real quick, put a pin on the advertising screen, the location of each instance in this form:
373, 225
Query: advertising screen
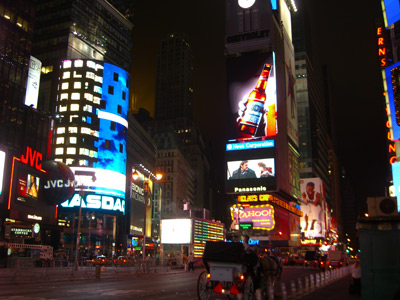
28, 186
2, 162
176, 231
392, 11
259, 216
107, 191
391, 76
26, 201
396, 182
313, 203
32, 86
250, 170
252, 98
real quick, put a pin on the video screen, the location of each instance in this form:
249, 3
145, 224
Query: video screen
255, 168
28, 186
250, 170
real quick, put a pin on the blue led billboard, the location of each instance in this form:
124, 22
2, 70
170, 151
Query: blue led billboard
104, 184
392, 9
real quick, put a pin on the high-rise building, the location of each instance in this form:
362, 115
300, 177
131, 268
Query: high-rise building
174, 112
174, 81
23, 129
262, 157
90, 29
85, 50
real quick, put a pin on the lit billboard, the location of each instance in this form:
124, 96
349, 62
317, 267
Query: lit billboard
2, 164
32, 86
391, 11
141, 204
96, 102
250, 170
252, 123
391, 81
396, 182
26, 200
313, 207
259, 216
252, 108
176, 231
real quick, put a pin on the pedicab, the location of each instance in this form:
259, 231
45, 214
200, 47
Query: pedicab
231, 271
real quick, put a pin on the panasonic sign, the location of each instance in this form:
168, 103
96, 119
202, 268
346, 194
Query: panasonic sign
94, 201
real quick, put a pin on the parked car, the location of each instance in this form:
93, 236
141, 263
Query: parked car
101, 260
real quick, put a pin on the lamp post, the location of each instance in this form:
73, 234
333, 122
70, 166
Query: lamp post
78, 232
146, 190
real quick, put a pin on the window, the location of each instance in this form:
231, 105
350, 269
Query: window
74, 107
77, 75
60, 140
107, 144
103, 104
121, 148
123, 95
72, 140
78, 63
66, 75
119, 109
64, 86
73, 129
60, 130
75, 96
77, 85
115, 76
59, 151
64, 96
67, 64
71, 150
111, 90
88, 97
112, 127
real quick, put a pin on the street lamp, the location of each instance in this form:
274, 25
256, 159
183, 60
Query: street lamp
81, 195
146, 190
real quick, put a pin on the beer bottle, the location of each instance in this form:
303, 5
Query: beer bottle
253, 112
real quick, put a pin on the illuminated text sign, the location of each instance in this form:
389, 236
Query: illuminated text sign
262, 216
96, 202
32, 158
267, 197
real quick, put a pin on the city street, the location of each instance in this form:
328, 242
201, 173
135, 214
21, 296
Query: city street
176, 284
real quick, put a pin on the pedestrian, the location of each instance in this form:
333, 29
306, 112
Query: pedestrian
356, 276
185, 262
191, 262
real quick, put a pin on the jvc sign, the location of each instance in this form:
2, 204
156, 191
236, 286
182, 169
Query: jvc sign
94, 201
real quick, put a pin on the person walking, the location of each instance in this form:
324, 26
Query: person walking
356, 276
191, 262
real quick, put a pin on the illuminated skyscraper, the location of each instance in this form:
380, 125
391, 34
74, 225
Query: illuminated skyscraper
89, 29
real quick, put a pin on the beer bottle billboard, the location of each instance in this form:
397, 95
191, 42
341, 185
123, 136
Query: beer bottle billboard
252, 110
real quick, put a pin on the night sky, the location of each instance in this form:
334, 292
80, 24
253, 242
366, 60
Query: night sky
345, 40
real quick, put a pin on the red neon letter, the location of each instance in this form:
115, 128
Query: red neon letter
379, 31
380, 41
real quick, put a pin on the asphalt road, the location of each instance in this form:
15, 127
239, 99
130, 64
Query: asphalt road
177, 285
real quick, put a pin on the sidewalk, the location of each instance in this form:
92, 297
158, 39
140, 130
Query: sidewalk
338, 289
22, 275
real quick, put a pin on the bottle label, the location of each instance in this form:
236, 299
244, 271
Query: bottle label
253, 112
